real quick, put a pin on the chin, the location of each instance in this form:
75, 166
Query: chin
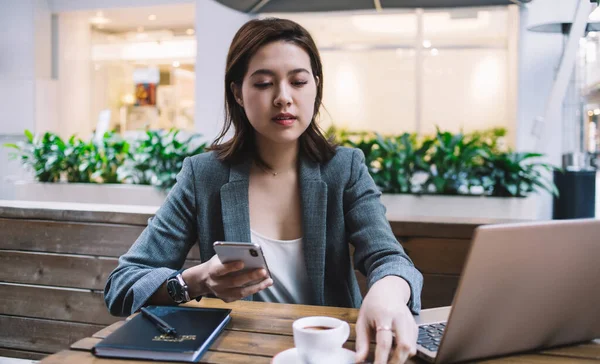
283, 138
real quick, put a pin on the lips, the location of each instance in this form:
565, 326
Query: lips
284, 119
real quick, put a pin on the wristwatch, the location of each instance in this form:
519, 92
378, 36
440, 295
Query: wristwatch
177, 288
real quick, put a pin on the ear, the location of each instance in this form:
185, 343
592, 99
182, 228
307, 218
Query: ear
317, 80
237, 93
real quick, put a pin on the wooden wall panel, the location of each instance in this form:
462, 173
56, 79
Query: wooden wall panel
438, 290
76, 271
437, 255
45, 336
55, 304
110, 240
55, 270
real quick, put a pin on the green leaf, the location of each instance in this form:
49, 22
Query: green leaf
29, 135
12, 145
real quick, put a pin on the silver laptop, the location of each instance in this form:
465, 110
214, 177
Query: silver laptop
524, 287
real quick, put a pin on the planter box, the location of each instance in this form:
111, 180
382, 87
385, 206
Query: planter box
397, 205
462, 206
114, 194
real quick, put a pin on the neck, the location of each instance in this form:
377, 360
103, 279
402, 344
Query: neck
280, 157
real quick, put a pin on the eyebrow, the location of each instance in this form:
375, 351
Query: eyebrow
267, 72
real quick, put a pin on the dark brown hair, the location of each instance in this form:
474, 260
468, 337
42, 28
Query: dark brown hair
246, 42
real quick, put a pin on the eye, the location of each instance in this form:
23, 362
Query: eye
299, 83
262, 85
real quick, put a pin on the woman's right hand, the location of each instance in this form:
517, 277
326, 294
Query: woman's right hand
224, 280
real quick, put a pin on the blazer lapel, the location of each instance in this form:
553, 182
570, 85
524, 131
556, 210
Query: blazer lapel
234, 204
313, 192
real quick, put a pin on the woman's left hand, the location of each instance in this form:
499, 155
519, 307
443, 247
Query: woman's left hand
385, 316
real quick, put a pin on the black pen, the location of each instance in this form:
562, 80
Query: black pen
159, 323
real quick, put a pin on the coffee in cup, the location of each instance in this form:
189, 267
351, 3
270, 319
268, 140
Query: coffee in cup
319, 339
318, 328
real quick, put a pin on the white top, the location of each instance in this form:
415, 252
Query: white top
285, 259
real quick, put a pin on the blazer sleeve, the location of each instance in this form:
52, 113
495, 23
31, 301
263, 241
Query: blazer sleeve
377, 252
158, 252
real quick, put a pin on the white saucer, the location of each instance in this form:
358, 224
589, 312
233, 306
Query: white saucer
290, 356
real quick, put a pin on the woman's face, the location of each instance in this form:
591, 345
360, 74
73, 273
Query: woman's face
278, 93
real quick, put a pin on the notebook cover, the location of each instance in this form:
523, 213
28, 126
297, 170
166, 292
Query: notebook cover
196, 329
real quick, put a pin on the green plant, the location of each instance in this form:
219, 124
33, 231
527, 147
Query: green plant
448, 163
157, 157
44, 155
514, 174
445, 163
452, 161
76, 165
112, 152
491, 139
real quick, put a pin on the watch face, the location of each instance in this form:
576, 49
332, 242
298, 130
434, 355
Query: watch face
174, 290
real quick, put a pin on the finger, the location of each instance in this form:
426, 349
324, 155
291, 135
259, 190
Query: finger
384, 340
241, 280
239, 293
222, 269
363, 339
400, 353
405, 340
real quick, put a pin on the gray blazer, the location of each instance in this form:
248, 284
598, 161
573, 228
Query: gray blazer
209, 202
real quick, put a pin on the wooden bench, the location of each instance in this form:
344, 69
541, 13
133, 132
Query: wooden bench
55, 259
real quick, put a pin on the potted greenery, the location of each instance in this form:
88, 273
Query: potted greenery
446, 174
453, 175
109, 170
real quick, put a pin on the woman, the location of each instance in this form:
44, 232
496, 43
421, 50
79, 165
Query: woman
280, 183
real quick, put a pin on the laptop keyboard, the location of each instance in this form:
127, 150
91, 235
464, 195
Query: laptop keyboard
431, 335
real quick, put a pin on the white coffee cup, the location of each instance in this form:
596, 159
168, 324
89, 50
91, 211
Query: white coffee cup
319, 339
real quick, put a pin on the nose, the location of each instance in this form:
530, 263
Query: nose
283, 96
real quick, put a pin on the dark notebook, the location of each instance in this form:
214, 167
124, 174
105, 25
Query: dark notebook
139, 338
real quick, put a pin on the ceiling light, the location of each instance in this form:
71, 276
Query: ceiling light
151, 17
434, 52
190, 31
176, 64
426, 44
128, 99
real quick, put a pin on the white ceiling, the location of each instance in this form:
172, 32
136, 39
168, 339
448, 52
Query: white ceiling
180, 16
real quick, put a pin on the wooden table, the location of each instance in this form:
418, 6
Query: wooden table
258, 331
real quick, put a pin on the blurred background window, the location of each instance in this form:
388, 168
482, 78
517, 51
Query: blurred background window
412, 70
137, 63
